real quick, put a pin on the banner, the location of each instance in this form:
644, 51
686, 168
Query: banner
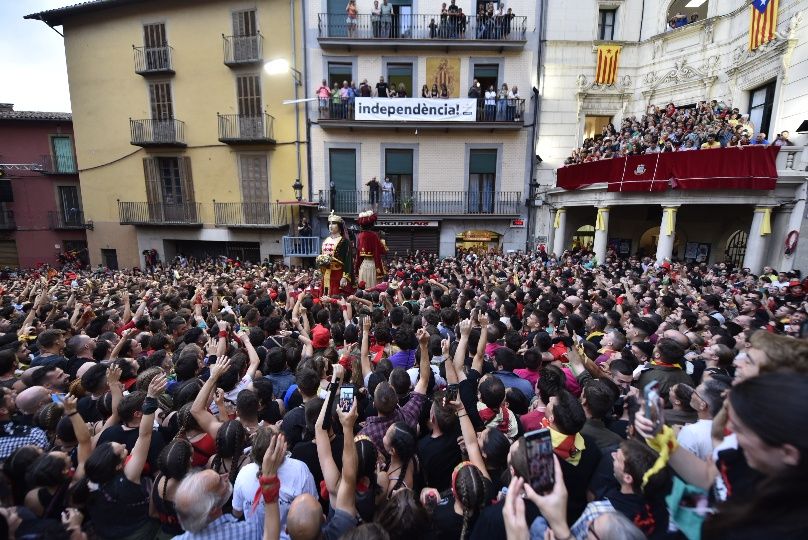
745, 167
416, 109
608, 55
762, 22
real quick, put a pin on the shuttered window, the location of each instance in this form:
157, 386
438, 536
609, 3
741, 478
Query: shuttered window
254, 178
162, 107
168, 180
244, 23
483, 162
398, 161
154, 35
248, 95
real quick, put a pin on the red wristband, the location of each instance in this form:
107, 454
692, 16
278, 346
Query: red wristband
344, 308
223, 334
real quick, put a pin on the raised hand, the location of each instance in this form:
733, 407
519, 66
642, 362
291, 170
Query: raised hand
157, 385
113, 374
465, 327
218, 369
423, 337
69, 403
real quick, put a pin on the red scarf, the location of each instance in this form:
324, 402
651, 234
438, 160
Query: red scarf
487, 414
566, 449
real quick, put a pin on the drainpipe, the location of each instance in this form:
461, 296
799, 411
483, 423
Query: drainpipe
537, 100
297, 104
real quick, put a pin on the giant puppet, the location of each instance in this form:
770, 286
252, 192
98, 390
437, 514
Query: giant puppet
369, 252
335, 260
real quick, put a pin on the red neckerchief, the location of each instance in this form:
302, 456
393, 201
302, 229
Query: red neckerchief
487, 414
664, 364
566, 449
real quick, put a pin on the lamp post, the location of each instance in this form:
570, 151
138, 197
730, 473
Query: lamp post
280, 66
298, 188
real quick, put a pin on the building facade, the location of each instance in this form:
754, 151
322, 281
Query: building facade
459, 184
707, 59
183, 142
41, 215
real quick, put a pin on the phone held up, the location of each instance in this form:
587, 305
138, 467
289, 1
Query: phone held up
346, 397
651, 395
541, 469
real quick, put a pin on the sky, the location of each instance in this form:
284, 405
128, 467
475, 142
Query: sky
33, 58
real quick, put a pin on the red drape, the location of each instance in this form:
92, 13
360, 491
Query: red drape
747, 167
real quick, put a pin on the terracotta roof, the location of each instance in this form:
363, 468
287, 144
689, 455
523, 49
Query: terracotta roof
40, 116
54, 17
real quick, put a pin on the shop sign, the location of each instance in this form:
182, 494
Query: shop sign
407, 224
517, 223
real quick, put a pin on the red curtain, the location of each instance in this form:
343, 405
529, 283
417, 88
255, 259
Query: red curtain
747, 167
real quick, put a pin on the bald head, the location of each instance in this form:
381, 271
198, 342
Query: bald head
304, 518
678, 337
31, 399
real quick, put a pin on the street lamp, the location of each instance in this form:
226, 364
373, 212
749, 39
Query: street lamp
279, 66
298, 187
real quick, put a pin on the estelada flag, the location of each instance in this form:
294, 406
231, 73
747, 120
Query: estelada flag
607, 63
763, 22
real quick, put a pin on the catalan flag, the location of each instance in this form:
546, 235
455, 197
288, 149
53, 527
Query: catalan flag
763, 22
607, 64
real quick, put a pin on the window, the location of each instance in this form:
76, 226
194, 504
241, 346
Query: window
398, 168
248, 96
584, 237
398, 75
593, 125
170, 188
70, 204
79, 247
254, 178
482, 181
339, 72
761, 101
162, 106
684, 12
245, 30
244, 23
342, 181
487, 75
156, 46
109, 258
63, 159
606, 18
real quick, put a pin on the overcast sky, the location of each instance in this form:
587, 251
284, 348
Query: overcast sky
33, 58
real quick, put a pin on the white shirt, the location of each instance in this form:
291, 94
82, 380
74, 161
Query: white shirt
697, 438
295, 480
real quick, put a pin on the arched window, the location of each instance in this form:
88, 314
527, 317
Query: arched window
683, 12
736, 247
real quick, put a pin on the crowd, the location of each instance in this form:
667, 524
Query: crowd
671, 129
680, 19
225, 400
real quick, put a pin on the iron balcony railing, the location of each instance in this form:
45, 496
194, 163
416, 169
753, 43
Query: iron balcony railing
71, 218
241, 129
153, 60
151, 132
301, 246
423, 27
59, 164
496, 111
145, 213
425, 202
240, 50
7, 222
250, 214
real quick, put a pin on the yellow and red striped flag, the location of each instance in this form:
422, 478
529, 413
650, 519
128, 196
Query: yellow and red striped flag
607, 63
763, 22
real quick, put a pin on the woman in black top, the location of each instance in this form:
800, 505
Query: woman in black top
49, 477
174, 463
454, 515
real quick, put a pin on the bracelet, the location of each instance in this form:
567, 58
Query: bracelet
462, 415
150, 405
223, 334
270, 488
73, 413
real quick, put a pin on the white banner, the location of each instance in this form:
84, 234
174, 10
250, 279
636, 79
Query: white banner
416, 109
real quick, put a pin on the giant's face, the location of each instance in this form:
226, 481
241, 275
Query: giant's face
333, 228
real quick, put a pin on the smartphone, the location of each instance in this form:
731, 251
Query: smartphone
451, 393
539, 448
346, 397
58, 398
651, 395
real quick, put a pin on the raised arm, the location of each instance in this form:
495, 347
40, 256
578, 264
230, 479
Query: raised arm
137, 459
207, 422
271, 485
346, 493
477, 362
127, 308
459, 361
470, 437
331, 473
255, 360
364, 351
85, 447
424, 369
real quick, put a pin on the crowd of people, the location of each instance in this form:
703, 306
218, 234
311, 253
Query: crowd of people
221, 400
706, 125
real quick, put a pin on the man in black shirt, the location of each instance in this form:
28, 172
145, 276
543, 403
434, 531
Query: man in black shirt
439, 452
374, 187
126, 433
382, 88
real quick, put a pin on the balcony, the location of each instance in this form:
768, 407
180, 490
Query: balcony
421, 32
154, 60
7, 222
243, 50
59, 164
238, 129
505, 115
67, 220
150, 133
250, 215
145, 213
301, 246
428, 203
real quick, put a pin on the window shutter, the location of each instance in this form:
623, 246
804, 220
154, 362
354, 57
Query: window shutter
151, 171
483, 162
398, 162
187, 180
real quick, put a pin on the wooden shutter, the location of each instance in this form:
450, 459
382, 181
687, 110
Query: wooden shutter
244, 23
187, 180
154, 35
151, 171
254, 181
248, 93
162, 107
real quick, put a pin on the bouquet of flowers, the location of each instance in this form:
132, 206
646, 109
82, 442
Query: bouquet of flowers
323, 260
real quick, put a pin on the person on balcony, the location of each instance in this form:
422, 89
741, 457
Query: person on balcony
387, 19
513, 101
335, 260
760, 139
324, 96
425, 91
369, 252
435, 92
502, 102
388, 194
490, 104
352, 12
374, 189
376, 19
783, 140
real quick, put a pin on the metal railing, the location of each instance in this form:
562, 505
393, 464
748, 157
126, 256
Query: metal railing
425, 202
301, 246
240, 50
71, 218
423, 27
501, 111
236, 128
150, 60
150, 132
7, 222
64, 164
249, 214
145, 213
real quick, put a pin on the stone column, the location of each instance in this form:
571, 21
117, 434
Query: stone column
759, 233
601, 233
560, 226
786, 262
667, 234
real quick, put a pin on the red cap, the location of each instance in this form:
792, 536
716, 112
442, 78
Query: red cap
321, 337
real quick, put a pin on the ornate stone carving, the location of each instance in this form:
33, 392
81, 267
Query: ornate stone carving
683, 72
622, 84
